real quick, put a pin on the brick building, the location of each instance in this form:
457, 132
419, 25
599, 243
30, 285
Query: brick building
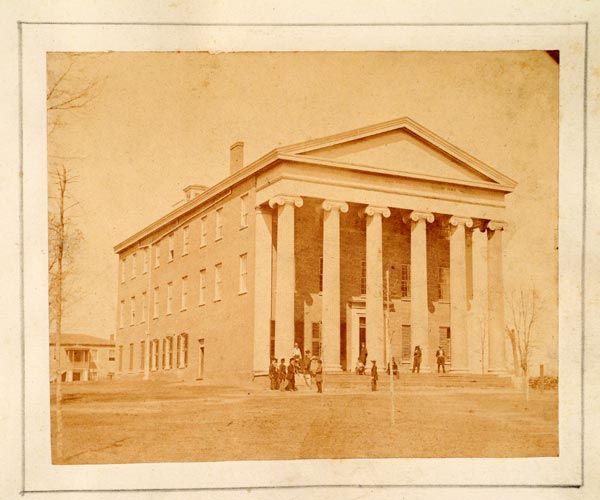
299, 246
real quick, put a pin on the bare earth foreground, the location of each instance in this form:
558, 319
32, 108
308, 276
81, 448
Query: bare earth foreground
136, 421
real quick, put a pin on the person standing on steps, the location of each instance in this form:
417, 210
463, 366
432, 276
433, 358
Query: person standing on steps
282, 375
362, 357
274, 374
417, 359
441, 359
319, 376
374, 376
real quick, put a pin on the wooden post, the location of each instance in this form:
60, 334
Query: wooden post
542, 379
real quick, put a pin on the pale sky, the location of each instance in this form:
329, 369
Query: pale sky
162, 121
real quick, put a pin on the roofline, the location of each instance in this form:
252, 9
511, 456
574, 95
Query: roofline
292, 153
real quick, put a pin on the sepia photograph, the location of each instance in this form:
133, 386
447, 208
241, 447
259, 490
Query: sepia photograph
258, 256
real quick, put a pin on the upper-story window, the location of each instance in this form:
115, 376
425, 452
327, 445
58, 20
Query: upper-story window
444, 283
203, 231
218, 281
171, 247
122, 314
123, 261
157, 255
405, 281
244, 211
144, 306
145, 261
243, 273
132, 311
156, 302
202, 294
133, 264
186, 240
169, 297
363, 277
184, 292
219, 224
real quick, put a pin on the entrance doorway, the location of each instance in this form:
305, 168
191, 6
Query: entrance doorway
200, 359
362, 332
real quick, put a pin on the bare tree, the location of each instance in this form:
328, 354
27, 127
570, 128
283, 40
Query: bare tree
521, 330
66, 92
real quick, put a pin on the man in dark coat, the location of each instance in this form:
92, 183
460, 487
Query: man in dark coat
363, 354
319, 376
417, 356
291, 376
374, 376
441, 359
274, 374
282, 375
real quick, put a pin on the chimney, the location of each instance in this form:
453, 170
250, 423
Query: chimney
236, 157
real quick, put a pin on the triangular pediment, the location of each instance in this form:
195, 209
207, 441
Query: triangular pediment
402, 146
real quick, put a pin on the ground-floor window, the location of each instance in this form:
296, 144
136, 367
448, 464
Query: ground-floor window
120, 358
316, 339
182, 350
154, 354
130, 357
406, 343
142, 354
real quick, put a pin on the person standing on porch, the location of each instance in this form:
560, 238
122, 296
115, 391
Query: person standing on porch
291, 376
306, 365
362, 357
374, 376
274, 374
441, 359
297, 353
319, 376
417, 360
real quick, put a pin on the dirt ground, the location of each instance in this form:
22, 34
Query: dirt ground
127, 422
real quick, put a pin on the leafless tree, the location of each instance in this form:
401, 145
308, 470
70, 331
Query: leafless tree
66, 92
521, 330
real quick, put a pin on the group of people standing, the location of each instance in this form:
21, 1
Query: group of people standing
283, 378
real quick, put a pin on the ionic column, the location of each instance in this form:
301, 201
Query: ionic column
479, 330
263, 254
419, 311
496, 355
374, 305
458, 294
285, 283
330, 333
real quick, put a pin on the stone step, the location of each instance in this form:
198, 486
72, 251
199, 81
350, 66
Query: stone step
349, 380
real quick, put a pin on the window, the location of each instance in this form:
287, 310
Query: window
202, 294
157, 255
184, 292
182, 354
218, 280
130, 357
186, 240
444, 284
243, 273
142, 354
169, 297
244, 211
177, 346
165, 344
94, 355
120, 358
203, 231
111, 355
144, 307
145, 260
170, 351
445, 341
122, 314
405, 281
316, 339
133, 264
363, 277
123, 261
154, 354
219, 224
156, 297
406, 343
171, 247
320, 274
132, 311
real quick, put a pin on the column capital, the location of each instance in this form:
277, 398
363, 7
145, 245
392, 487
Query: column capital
372, 210
456, 221
496, 225
263, 209
284, 199
416, 216
329, 205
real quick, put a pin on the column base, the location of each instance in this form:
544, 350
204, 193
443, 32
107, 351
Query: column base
498, 371
458, 371
333, 368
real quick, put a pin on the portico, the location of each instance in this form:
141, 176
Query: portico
359, 211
